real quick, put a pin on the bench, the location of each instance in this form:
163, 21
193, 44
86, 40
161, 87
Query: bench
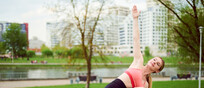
181, 76
186, 76
83, 78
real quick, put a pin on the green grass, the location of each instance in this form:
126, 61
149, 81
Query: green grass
108, 59
156, 84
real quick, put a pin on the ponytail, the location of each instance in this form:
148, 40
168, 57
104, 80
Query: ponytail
149, 80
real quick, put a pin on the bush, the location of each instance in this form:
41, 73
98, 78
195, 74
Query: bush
47, 52
76, 52
30, 53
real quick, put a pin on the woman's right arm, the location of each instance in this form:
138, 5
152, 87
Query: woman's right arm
138, 58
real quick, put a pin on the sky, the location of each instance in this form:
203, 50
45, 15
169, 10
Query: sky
35, 13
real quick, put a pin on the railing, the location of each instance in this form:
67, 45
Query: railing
76, 74
14, 76
27, 76
70, 74
193, 73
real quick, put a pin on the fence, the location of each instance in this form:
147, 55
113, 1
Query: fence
14, 76
193, 73
76, 74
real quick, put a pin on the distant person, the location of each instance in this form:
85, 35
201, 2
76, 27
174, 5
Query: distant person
138, 75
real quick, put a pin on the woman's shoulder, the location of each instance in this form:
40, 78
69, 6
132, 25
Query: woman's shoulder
139, 67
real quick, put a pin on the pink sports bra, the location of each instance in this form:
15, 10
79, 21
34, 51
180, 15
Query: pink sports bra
135, 76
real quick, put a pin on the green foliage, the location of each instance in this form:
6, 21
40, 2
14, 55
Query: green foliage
76, 52
60, 51
15, 40
147, 51
44, 47
189, 41
185, 20
2, 48
47, 52
30, 53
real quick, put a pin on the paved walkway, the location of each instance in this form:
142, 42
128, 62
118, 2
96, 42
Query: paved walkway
32, 83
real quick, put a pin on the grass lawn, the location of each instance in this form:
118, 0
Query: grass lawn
108, 59
156, 84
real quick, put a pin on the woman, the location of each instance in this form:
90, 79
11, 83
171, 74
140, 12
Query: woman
137, 75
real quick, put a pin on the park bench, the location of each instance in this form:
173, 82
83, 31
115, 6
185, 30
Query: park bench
186, 76
83, 78
181, 76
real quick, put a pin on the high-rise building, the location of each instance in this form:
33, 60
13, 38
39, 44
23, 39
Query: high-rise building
118, 14
152, 3
61, 33
153, 30
53, 33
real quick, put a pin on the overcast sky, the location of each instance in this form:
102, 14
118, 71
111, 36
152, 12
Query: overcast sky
36, 15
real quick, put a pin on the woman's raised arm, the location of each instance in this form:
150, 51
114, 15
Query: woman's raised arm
138, 58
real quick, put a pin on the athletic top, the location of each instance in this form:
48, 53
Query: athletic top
135, 76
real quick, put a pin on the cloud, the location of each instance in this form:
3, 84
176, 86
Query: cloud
37, 19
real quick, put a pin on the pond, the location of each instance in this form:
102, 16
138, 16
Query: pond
62, 72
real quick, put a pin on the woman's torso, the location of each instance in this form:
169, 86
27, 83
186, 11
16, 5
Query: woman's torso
137, 76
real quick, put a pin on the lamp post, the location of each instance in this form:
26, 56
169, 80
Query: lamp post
200, 28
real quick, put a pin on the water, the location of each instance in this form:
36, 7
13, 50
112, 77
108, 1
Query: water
60, 72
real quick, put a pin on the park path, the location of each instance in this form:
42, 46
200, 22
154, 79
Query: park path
32, 83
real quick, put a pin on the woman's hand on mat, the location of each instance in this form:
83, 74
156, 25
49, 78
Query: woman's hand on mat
135, 12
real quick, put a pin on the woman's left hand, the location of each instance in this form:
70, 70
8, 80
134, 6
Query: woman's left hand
135, 13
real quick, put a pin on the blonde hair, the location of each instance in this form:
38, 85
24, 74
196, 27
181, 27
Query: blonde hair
149, 80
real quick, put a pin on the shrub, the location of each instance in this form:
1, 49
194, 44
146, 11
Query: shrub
30, 53
47, 52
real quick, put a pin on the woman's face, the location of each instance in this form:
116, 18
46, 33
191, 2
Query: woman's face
155, 64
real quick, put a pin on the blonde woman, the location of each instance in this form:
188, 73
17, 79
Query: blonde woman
138, 75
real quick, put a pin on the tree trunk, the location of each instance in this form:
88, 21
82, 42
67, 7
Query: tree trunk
88, 73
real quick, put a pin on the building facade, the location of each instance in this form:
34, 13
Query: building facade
153, 32
53, 30
117, 15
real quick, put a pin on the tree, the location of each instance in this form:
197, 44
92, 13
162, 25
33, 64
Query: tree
30, 53
76, 52
85, 16
59, 50
15, 40
46, 51
2, 48
44, 47
184, 27
147, 51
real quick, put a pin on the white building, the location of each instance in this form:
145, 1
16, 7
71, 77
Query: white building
117, 14
153, 30
53, 33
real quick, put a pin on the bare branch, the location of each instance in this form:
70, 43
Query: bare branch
77, 18
189, 3
85, 16
94, 27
